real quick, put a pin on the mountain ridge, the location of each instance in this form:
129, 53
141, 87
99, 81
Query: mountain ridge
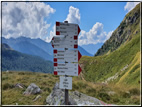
45, 49
123, 33
13, 60
120, 66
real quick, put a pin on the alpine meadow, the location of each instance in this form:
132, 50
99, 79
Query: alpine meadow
112, 74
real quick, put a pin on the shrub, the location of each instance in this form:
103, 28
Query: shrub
134, 91
45, 75
81, 85
7, 86
91, 91
104, 96
21, 73
75, 87
116, 100
4, 78
126, 95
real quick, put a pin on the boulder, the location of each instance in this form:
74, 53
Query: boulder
75, 98
32, 89
19, 85
57, 97
37, 97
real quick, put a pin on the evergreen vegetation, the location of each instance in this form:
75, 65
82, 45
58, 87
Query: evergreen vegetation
13, 60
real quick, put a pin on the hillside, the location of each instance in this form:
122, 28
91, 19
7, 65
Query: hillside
36, 47
13, 60
127, 29
29, 46
121, 66
12, 95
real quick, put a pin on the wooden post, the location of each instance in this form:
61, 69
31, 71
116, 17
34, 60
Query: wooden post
66, 97
66, 90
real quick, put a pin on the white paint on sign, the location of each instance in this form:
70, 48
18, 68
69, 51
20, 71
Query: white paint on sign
67, 28
64, 42
66, 69
65, 82
65, 55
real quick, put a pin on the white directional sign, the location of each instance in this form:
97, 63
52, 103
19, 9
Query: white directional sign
65, 82
66, 61
66, 55
64, 42
72, 69
66, 28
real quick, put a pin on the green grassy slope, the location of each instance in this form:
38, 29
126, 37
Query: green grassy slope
99, 68
124, 33
11, 95
121, 64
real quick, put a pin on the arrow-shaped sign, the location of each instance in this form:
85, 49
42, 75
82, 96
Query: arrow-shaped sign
64, 42
67, 28
72, 69
66, 55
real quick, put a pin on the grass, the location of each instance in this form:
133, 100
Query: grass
11, 95
99, 68
121, 94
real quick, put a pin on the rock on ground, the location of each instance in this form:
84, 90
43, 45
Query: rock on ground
32, 89
75, 98
57, 97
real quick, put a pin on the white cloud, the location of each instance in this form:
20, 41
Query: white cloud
52, 33
94, 36
130, 5
73, 16
25, 19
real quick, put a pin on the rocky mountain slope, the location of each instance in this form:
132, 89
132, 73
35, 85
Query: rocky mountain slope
127, 29
118, 62
36, 47
13, 60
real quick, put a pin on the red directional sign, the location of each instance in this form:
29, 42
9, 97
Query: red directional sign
66, 55
67, 28
65, 61
72, 69
64, 42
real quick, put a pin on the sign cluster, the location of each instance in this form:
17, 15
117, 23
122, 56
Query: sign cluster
66, 53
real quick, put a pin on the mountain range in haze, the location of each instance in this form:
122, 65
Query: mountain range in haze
36, 47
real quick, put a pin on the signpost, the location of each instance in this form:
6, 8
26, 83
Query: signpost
65, 42
66, 54
65, 82
70, 69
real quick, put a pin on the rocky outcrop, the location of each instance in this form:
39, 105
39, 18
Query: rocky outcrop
124, 32
32, 89
75, 98
57, 97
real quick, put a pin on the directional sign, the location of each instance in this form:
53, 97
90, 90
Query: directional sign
67, 28
64, 42
72, 69
65, 82
66, 55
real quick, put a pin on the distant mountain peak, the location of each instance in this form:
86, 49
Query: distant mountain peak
6, 47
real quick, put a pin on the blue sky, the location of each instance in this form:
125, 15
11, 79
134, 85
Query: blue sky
108, 13
97, 20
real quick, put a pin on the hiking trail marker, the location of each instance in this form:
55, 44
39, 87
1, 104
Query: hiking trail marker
66, 54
